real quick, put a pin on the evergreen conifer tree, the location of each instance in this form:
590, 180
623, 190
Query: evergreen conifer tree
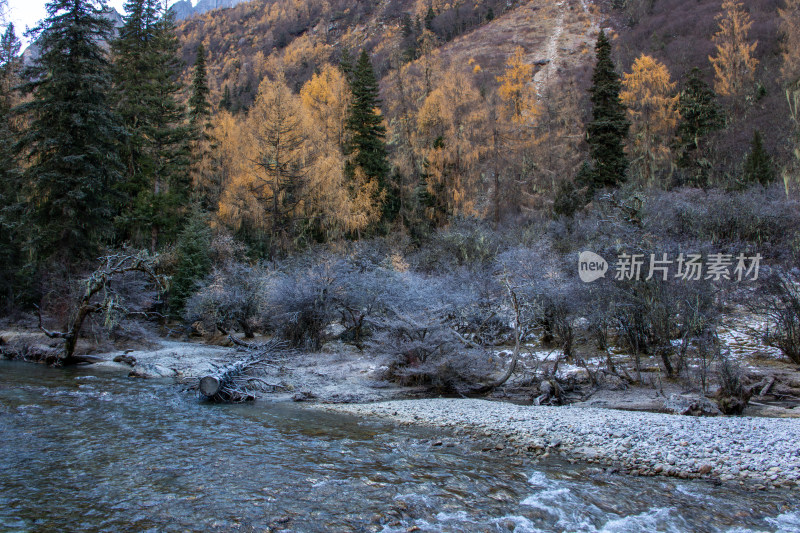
758, 165
73, 138
609, 126
158, 147
346, 64
226, 102
199, 106
366, 147
11, 201
193, 259
700, 115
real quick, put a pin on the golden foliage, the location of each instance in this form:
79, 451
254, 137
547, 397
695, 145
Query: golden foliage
326, 97
269, 164
516, 87
649, 94
282, 166
734, 63
450, 123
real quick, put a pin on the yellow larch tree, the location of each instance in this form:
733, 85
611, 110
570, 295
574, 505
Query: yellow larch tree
516, 87
652, 102
514, 116
404, 90
267, 186
733, 63
231, 168
451, 124
326, 98
333, 204
239, 207
790, 30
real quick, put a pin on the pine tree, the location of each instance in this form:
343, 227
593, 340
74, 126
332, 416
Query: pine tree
199, 106
568, 199
10, 62
10, 65
429, 16
11, 201
700, 115
73, 138
758, 165
226, 102
367, 147
204, 182
193, 258
609, 126
346, 64
158, 151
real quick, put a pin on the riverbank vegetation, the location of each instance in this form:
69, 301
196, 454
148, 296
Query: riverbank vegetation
427, 211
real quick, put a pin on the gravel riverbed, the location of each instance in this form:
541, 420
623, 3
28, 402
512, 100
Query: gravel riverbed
760, 452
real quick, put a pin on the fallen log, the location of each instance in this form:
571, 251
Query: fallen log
234, 383
765, 390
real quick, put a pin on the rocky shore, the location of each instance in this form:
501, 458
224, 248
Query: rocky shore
758, 452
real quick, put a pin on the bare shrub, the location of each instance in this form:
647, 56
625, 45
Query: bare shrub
755, 217
465, 242
551, 299
662, 318
733, 396
417, 331
232, 297
299, 304
779, 302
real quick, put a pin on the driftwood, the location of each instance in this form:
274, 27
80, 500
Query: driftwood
765, 390
235, 383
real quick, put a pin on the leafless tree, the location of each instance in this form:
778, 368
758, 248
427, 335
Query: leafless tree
779, 302
99, 296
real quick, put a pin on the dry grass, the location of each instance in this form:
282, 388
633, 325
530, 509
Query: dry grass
557, 32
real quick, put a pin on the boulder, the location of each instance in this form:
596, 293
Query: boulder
127, 359
691, 406
148, 370
303, 396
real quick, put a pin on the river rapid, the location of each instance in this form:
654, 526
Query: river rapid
83, 451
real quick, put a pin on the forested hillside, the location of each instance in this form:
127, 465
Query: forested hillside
290, 165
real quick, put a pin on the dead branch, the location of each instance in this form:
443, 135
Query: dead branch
241, 343
515, 357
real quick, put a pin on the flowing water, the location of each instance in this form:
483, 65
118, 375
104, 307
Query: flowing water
84, 452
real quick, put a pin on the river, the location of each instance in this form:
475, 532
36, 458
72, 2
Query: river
102, 452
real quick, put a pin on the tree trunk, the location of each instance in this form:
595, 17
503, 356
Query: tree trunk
210, 386
232, 383
247, 329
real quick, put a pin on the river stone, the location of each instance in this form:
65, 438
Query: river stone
111, 366
147, 370
691, 406
126, 359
